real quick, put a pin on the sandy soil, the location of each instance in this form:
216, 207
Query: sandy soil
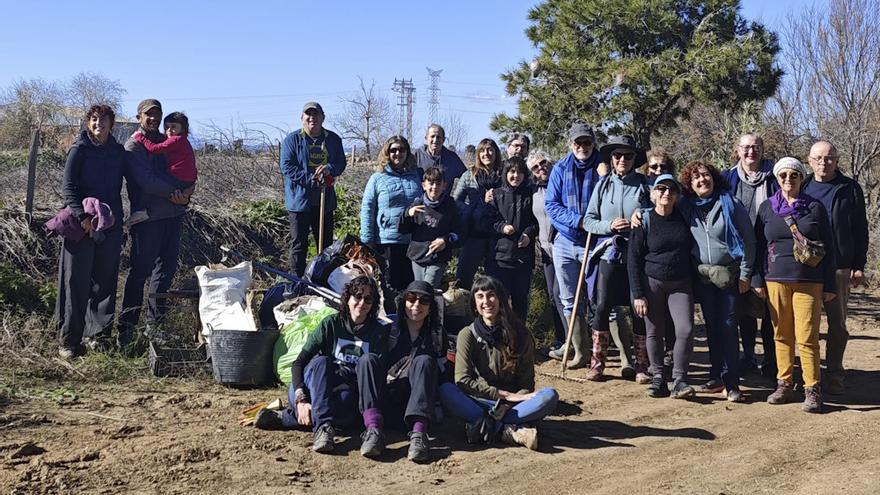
182, 437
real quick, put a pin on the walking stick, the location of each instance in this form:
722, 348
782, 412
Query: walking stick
577, 300
321, 220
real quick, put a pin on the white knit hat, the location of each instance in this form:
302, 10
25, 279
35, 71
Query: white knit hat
789, 163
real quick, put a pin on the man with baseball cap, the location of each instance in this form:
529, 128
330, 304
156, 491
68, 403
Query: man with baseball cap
155, 242
311, 158
569, 188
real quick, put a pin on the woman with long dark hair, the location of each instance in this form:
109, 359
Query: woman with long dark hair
388, 194
417, 360
473, 189
494, 389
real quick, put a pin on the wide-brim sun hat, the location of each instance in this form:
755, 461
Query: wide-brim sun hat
419, 287
625, 142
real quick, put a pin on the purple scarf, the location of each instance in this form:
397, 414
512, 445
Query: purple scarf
799, 208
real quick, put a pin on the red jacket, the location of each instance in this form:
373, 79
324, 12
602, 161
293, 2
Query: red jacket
179, 154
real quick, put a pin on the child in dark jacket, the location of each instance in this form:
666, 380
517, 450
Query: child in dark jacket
180, 157
515, 228
433, 223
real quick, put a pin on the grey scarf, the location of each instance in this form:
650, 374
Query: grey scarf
757, 182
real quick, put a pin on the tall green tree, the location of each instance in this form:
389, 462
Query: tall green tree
635, 66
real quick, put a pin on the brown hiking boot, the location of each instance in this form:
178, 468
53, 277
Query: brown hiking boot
812, 399
784, 393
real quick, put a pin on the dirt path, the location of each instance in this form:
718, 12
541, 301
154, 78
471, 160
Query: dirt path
182, 437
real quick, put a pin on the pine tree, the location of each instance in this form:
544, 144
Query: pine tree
635, 66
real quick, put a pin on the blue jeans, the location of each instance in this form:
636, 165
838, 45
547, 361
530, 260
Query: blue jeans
338, 392
556, 308
433, 274
720, 312
567, 259
471, 409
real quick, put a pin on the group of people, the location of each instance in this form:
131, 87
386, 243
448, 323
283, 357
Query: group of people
641, 242
160, 173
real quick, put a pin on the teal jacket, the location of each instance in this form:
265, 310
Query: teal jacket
387, 196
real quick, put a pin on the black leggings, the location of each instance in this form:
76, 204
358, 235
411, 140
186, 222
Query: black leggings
612, 289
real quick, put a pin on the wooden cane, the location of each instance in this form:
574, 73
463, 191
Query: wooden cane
577, 300
321, 221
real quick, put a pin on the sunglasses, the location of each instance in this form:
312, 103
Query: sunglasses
422, 299
665, 189
541, 164
658, 166
395, 150
789, 175
584, 143
617, 155
361, 297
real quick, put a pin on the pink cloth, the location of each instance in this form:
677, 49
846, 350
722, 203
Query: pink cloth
102, 216
66, 225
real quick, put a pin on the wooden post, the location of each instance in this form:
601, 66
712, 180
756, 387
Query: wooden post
32, 174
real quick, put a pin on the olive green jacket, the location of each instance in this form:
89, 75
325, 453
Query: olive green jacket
478, 366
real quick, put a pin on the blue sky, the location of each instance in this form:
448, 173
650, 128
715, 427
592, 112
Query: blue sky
258, 62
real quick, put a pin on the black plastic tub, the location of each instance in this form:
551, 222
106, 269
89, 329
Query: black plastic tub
243, 359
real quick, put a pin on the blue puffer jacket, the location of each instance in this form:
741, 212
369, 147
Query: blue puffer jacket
387, 196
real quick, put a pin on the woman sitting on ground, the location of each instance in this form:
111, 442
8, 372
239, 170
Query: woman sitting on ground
339, 370
659, 270
494, 389
418, 358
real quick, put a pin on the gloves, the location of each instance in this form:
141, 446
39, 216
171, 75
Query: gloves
324, 179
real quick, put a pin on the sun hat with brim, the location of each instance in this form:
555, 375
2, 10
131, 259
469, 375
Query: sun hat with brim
670, 179
789, 163
419, 287
626, 142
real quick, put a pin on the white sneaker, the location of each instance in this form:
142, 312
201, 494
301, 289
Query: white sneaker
520, 435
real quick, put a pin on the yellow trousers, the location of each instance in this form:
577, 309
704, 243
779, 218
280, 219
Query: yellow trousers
795, 309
